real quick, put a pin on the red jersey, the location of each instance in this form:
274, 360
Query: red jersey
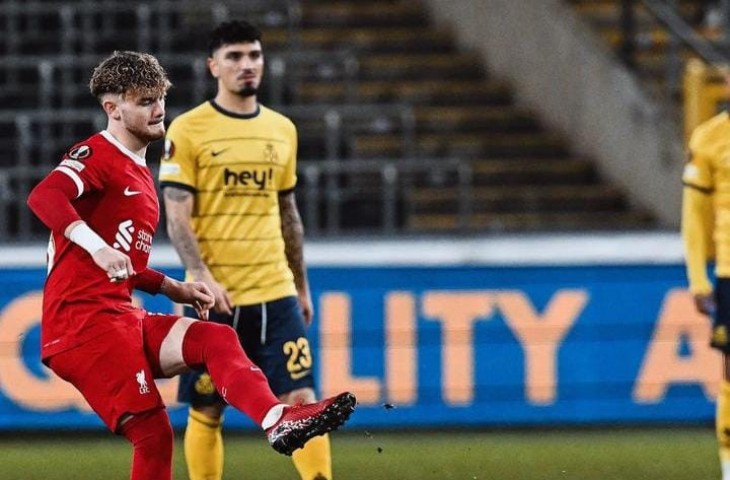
117, 199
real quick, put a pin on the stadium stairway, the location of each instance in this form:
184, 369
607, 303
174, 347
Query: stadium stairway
652, 42
524, 176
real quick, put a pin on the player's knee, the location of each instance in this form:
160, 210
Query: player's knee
159, 440
150, 432
162, 429
219, 333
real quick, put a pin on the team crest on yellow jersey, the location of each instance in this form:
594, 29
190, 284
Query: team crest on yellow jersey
270, 154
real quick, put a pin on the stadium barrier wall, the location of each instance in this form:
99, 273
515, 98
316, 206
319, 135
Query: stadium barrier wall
441, 333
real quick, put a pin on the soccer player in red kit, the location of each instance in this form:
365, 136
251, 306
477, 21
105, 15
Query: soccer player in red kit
101, 206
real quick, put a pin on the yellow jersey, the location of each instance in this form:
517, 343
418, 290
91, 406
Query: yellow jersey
236, 165
706, 202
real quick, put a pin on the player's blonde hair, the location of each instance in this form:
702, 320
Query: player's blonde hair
129, 72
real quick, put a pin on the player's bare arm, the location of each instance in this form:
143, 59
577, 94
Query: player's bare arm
292, 229
196, 294
698, 242
179, 210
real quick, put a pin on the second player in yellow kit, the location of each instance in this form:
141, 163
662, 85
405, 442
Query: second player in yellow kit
237, 166
228, 177
706, 235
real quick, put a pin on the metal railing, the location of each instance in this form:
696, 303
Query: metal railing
681, 34
387, 182
290, 68
333, 123
41, 136
79, 26
340, 120
59, 81
327, 191
70, 37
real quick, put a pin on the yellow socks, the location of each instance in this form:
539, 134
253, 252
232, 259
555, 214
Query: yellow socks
203, 447
722, 427
204, 452
313, 461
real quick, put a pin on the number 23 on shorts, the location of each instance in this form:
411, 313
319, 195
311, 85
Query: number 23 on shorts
299, 356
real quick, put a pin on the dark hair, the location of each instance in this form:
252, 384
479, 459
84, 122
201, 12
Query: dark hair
235, 31
124, 72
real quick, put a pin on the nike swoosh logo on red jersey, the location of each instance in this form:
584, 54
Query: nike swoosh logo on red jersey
129, 193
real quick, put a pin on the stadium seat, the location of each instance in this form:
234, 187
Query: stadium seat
652, 42
417, 92
410, 119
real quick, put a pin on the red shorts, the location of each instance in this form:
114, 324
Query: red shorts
115, 371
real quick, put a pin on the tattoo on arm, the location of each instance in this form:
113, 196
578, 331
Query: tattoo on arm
179, 209
292, 230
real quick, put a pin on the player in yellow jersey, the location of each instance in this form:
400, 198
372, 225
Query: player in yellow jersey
706, 235
228, 177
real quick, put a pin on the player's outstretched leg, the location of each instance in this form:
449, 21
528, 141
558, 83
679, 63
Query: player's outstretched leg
299, 423
242, 384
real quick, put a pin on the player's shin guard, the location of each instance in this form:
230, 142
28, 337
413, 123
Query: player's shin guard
313, 461
203, 447
151, 436
238, 380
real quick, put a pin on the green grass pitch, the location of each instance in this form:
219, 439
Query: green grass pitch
612, 454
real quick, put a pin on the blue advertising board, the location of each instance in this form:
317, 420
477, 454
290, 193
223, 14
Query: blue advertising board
438, 346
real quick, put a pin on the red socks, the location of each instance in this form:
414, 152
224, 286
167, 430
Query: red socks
238, 380
151, 436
